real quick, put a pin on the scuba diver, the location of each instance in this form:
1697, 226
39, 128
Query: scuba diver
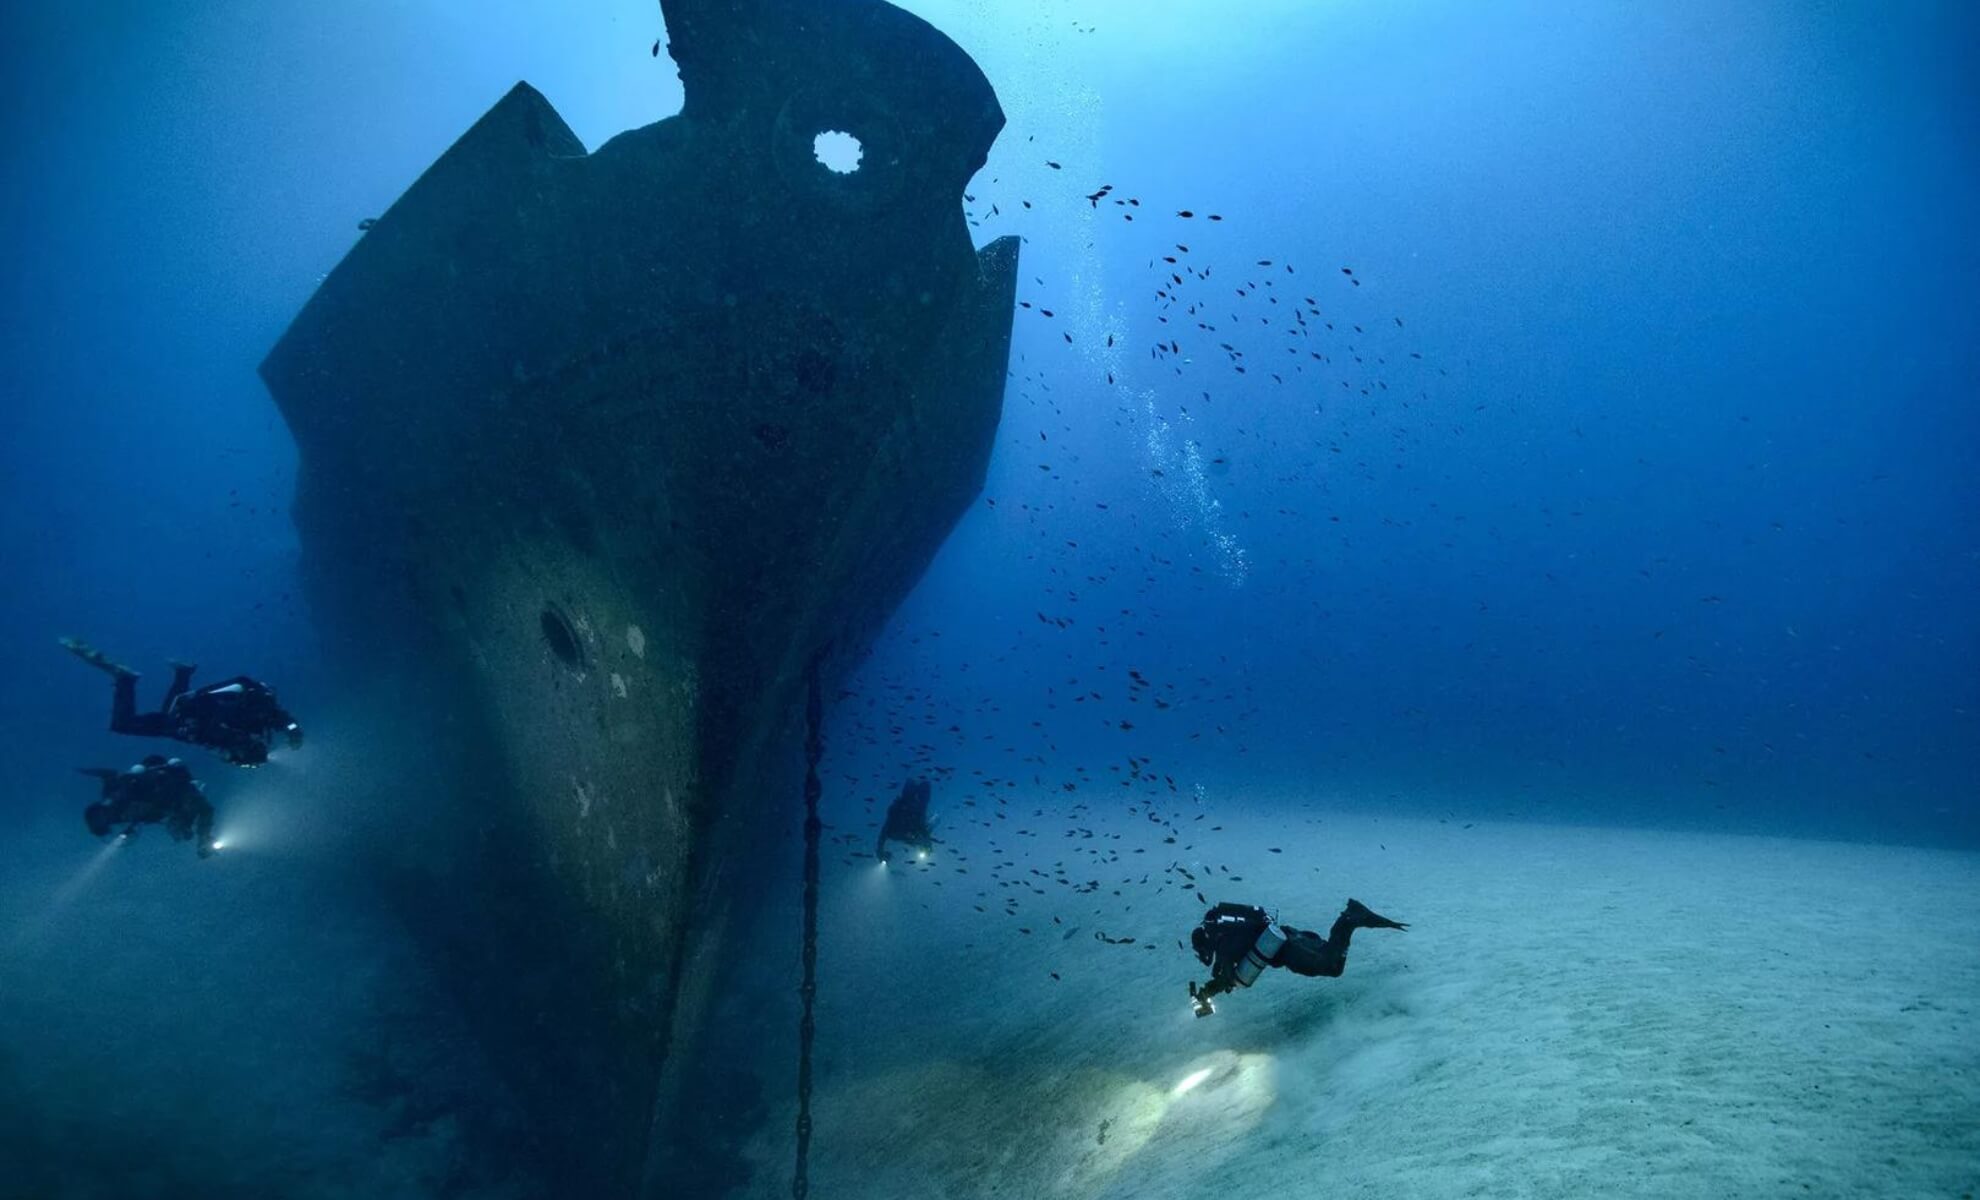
235, 719
1237, 941
907, 821
157, 791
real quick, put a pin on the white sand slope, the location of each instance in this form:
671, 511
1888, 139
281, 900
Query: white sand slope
1576, 1012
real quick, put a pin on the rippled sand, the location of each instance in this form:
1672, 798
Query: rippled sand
1576, 1012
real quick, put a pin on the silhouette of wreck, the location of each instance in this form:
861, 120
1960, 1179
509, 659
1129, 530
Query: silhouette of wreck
597, 452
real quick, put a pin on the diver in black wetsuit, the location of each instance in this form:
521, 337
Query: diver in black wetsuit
157, 791
907, 821
1237, 941
236, 719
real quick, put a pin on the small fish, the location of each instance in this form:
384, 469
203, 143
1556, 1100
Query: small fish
656, 48
1053, 165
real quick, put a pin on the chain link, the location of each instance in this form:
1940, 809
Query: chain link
814, 749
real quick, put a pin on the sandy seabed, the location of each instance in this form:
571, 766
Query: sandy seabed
1575, 1012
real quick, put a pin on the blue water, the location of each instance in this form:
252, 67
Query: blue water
1673, 522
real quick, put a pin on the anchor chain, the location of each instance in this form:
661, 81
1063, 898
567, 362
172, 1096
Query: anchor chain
813, 751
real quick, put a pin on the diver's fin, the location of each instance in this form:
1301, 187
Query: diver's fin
94, 657
1367, 918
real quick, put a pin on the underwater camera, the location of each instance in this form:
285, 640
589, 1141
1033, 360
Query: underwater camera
1200, 1001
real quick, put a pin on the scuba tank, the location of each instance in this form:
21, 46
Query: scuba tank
1260, 956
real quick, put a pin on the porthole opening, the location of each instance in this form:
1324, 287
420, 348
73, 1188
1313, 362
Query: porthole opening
562, 639
838, 151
